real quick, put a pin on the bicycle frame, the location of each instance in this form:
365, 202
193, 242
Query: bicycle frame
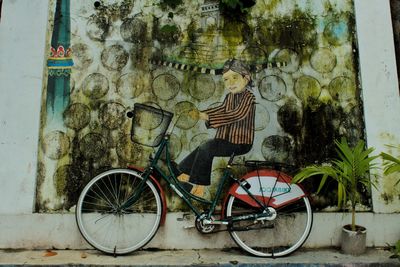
253, 202
188, 198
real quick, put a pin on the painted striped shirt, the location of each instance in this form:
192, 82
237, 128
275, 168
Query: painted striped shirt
235, 118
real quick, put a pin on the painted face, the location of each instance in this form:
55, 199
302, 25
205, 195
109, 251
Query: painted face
234, 82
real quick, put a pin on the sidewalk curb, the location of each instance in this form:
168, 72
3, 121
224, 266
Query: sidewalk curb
183, 258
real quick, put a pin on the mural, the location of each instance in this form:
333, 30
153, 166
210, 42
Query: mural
105, 56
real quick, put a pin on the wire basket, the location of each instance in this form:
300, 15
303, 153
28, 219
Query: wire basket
149, 124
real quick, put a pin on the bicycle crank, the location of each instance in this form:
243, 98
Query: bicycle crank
204, 225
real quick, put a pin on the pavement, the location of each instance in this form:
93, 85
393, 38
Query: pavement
221, 258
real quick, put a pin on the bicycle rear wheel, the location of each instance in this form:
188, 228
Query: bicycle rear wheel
275, 238
105, 224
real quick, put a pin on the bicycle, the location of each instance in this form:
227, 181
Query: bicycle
120, 210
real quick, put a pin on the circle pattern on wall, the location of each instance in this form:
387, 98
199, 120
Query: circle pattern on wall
93, 146
197, 140
94, 29
337, 32
112, 115
133, 30
184, 111
81, 56
77, 116
114, 57
262, 117
130, 85
307, 88
127, 150
323, 60
272, 88
175, 147
165, 86
290, 118
202, 87
276, 148
60, 178
342, 89
290, 60
55, 144
253, 54
95, 86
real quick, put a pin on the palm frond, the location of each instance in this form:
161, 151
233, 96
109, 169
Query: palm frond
391, 165
350, 169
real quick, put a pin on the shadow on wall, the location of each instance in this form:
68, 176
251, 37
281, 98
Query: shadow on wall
395, 9
1, 3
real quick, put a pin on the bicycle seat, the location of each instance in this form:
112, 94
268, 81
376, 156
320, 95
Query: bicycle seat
279, 166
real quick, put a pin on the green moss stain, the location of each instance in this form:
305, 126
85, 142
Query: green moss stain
270, 5
170, 3
387, 198
169, 33
295, 31
235, 9
169, 29
235, 33
40, 178
319, 107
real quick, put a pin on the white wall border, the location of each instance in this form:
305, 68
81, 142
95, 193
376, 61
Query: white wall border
22, 50
380, 90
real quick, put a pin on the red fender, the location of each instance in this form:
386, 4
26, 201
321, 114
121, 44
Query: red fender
157, 184
275, 189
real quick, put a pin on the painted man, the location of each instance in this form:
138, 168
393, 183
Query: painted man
234, 122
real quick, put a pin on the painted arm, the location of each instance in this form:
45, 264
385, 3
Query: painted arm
223, 117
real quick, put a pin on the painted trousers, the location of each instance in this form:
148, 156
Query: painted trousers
198, 163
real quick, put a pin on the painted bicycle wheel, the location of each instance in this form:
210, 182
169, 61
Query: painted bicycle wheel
107, 223
280, 235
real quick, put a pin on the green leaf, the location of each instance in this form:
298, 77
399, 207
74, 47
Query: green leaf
350, 169
391, 164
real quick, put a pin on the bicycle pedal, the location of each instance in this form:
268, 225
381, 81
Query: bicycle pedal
185, 217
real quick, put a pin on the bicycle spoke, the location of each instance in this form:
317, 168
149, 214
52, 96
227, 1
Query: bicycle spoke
110, 229
105, 196
271, 238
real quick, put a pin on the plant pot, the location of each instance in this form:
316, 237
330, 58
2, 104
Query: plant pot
354, 242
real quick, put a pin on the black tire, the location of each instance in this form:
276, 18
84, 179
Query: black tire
279, 237
109, 228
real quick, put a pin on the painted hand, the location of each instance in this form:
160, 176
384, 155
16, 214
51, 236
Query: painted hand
203, 116
194, 114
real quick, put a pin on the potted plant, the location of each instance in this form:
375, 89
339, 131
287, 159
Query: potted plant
351, 172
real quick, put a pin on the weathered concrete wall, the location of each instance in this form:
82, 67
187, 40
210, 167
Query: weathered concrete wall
22, 51
60, 231
379, 79
303, 60
395, 9
21, 88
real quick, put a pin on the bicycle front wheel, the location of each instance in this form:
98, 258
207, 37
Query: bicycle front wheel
106, 224
278, 237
